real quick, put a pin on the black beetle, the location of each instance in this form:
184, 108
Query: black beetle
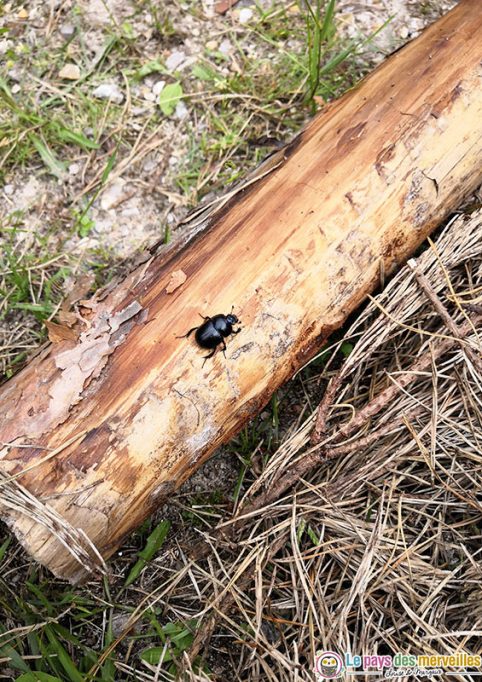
213, 331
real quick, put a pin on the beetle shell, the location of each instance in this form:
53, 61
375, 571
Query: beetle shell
212, 332
207, 336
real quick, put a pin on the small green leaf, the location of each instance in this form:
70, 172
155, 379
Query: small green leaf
169, 97
153, 655
346, 348
180, 637
84, 224
153, 66
203, 72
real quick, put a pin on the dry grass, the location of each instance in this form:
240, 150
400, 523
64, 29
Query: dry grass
376, 550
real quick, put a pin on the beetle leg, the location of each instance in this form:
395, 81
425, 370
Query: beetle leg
224, 348
189, 332
205, 317
236, 331
206, 357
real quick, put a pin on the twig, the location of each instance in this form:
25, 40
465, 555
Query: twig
443, 312
319, 430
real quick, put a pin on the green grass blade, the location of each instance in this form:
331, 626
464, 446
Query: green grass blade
55, 166
3, 548
37, 677
328, 27
63, 657
71, 137
16, 661
108, 168
153, 544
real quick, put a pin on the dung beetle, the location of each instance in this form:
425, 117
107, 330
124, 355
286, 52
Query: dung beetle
213, 331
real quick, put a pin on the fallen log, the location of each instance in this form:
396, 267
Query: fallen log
97, 432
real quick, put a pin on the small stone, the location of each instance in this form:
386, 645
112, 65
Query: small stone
28, 194
70, 72
22, 13
149, 165
181, 111
112, 194
139, 111
226, 46
158, 87
9, 190
109, 91
131, 212
245, 15
67, 31
211, 44
175, 60
148, 95
74, 168
16, 89
15, 74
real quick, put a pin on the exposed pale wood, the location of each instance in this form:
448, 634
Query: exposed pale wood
129, 411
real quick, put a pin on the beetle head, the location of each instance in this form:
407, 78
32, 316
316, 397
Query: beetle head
232, 319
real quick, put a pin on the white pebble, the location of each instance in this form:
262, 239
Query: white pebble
158, 87
245, 15
181, 111
112, 194
67, 31
148, 95
226, 46
70, 72
175, 59
109, 91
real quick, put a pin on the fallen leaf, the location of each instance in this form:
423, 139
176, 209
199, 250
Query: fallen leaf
177, 278
60, 332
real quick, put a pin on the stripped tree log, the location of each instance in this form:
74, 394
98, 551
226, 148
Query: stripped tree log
97, 432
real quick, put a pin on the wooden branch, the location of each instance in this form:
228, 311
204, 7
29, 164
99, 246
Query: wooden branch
103, 429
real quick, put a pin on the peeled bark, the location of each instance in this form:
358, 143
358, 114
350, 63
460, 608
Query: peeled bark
105, 428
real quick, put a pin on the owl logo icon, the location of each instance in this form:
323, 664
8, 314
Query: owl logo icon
328, 665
